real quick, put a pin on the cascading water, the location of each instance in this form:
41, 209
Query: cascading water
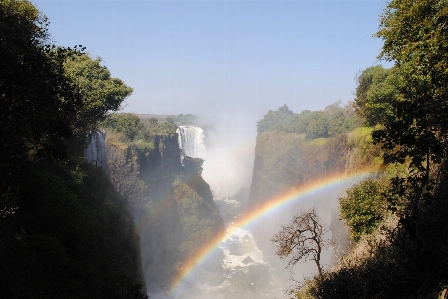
96, 151
191, 141
238, 268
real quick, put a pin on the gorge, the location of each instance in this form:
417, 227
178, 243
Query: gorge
176, 214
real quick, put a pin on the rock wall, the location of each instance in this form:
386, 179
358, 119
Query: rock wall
174, 211
142, 174
285, 160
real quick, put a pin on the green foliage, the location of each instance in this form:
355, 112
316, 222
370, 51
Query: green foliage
192, 165
126, 123
317, 125
170, 120
364, 152
376, 92
153, 121
64, 231
332, 121
135, 130
361, 138
408, 256
152, 128
198, 218
49, 94
33, 88
186, 119
283, 119
341, 119
318, 141
387, 265
100, 92
278, 150
416, 39
363, 208
339, 123
281, 157
71, 237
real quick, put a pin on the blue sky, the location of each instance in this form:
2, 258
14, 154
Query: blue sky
218, 58
229, 62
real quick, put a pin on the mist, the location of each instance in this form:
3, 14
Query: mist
230, 142
246, 254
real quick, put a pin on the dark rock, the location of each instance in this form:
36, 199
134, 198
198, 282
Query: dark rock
247, 260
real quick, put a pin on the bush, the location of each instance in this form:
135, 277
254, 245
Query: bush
364, 207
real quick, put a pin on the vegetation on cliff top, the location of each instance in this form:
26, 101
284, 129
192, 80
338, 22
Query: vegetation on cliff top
133, 129
332, 121
64, 232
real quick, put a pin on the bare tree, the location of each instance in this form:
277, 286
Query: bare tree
301, 239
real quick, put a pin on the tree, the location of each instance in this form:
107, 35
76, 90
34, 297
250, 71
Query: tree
301, 239
37, 100
128, 124
376, 91
282, 119
317, 126
153, 121
100, 92
416, 39
192, 166
57, 212
410, 261
363, 208
33, 86
341, 119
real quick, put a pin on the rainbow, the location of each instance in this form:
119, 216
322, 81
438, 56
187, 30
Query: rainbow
262, 211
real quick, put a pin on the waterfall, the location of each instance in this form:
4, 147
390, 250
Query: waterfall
96, 151
191, 141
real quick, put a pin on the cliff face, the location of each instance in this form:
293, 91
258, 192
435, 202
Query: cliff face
285, 160
174, 210
142, 174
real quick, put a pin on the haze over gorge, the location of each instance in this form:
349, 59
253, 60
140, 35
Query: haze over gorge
196, 243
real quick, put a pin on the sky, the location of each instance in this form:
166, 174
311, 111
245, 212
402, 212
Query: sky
228, 61
221, 58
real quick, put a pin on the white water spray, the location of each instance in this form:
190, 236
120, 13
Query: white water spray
95, 153
191, 141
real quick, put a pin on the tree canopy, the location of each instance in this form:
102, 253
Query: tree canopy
416, 39
64, 232
33, 85
364, 207
100, 92
334, 120
376, 91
